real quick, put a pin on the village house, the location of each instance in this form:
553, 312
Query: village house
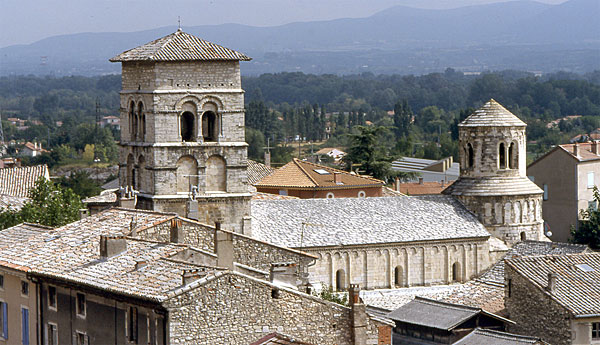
32, 149
111, 121
305, 180
567, 174
556, 298
444, 170
110, 279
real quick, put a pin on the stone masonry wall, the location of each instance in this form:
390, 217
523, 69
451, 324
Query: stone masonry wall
235, 310
247, 251
534, 311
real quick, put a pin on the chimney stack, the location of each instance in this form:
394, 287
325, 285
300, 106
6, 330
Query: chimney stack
223, 247
284, 273
595, 147
111, 246
552, 279
359, 315
176, 231
576, 149
336, 178
420, 180
140, 264
397, 184
268, 159
189, 276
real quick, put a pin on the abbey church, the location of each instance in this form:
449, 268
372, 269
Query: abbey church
183, 150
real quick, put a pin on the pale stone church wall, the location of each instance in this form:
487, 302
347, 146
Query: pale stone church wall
420, 264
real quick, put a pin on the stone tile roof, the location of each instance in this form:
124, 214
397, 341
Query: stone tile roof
492, 114
423, 188
18, 180
105, 197
72, 253
303, 174
180, 46
257, 171
472, 293
495, 274
481, 336
578, 279
435, 314
269, 196
350, 221
493, 186
12, 203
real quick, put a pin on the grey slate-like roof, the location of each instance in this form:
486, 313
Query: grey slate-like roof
492, 114
180, 46
257, 171
495, 274
351, 221
576, 289
434, 314
481, 336
493, 186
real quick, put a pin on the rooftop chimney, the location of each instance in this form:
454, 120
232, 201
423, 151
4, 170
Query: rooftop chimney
552, 279
189, 276
176, 231
337, 178
576, 149
420, 180
595, 147
284, 273
223, 247
140, 264
111, 246
397, 184
268, 159
359, 315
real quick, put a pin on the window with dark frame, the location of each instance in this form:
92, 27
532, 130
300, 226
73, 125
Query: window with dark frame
596, 330
52, 297
81, 338
4, 320
132, 324
80, 304
24, 288
1, 281
52, 334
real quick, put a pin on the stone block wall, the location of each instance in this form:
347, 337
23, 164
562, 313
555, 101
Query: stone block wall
234, 309
198, 75
247, 251
485, 142
534, 311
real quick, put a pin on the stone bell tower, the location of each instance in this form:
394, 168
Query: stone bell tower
493, 182
182, 130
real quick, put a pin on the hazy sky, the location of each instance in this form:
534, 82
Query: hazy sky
26, 21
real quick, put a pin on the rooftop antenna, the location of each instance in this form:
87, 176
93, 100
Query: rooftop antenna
2, 143
178, 23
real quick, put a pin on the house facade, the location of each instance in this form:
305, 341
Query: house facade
567, 175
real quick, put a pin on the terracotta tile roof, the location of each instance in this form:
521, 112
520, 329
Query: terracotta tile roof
302, 174
180, 46
584, 151
424, 188
492, 114
578, 279
18, 180
334, 222
387, 192
257, 171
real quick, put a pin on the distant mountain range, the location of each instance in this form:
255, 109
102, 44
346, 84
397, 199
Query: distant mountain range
524, 35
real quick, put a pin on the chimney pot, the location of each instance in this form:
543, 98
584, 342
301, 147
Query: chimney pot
576, 149
189, 276
111, 246
354, 294
552, 280
420, 180
336, 178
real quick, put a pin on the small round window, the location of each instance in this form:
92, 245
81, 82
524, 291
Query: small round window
362, 194
330, 195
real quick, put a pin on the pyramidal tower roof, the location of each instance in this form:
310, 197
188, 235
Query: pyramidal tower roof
180, 46
492, 114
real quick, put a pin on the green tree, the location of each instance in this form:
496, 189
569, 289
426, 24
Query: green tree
367, 152
588, 231
402, 118
48, 204
81, 184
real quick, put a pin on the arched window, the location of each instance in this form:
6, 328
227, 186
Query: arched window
216, 174
513, 156
130, 171
456, 272
502, 156
340, 280
131, 121
523, 236
398, 276
187, 126
141, 121
209, 126
187, 174
141, 174
470, 155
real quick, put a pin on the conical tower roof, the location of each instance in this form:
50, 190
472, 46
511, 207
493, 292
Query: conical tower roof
180, 46
492, 114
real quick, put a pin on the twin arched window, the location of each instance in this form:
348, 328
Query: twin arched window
209, 124
137, 121
508, 157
